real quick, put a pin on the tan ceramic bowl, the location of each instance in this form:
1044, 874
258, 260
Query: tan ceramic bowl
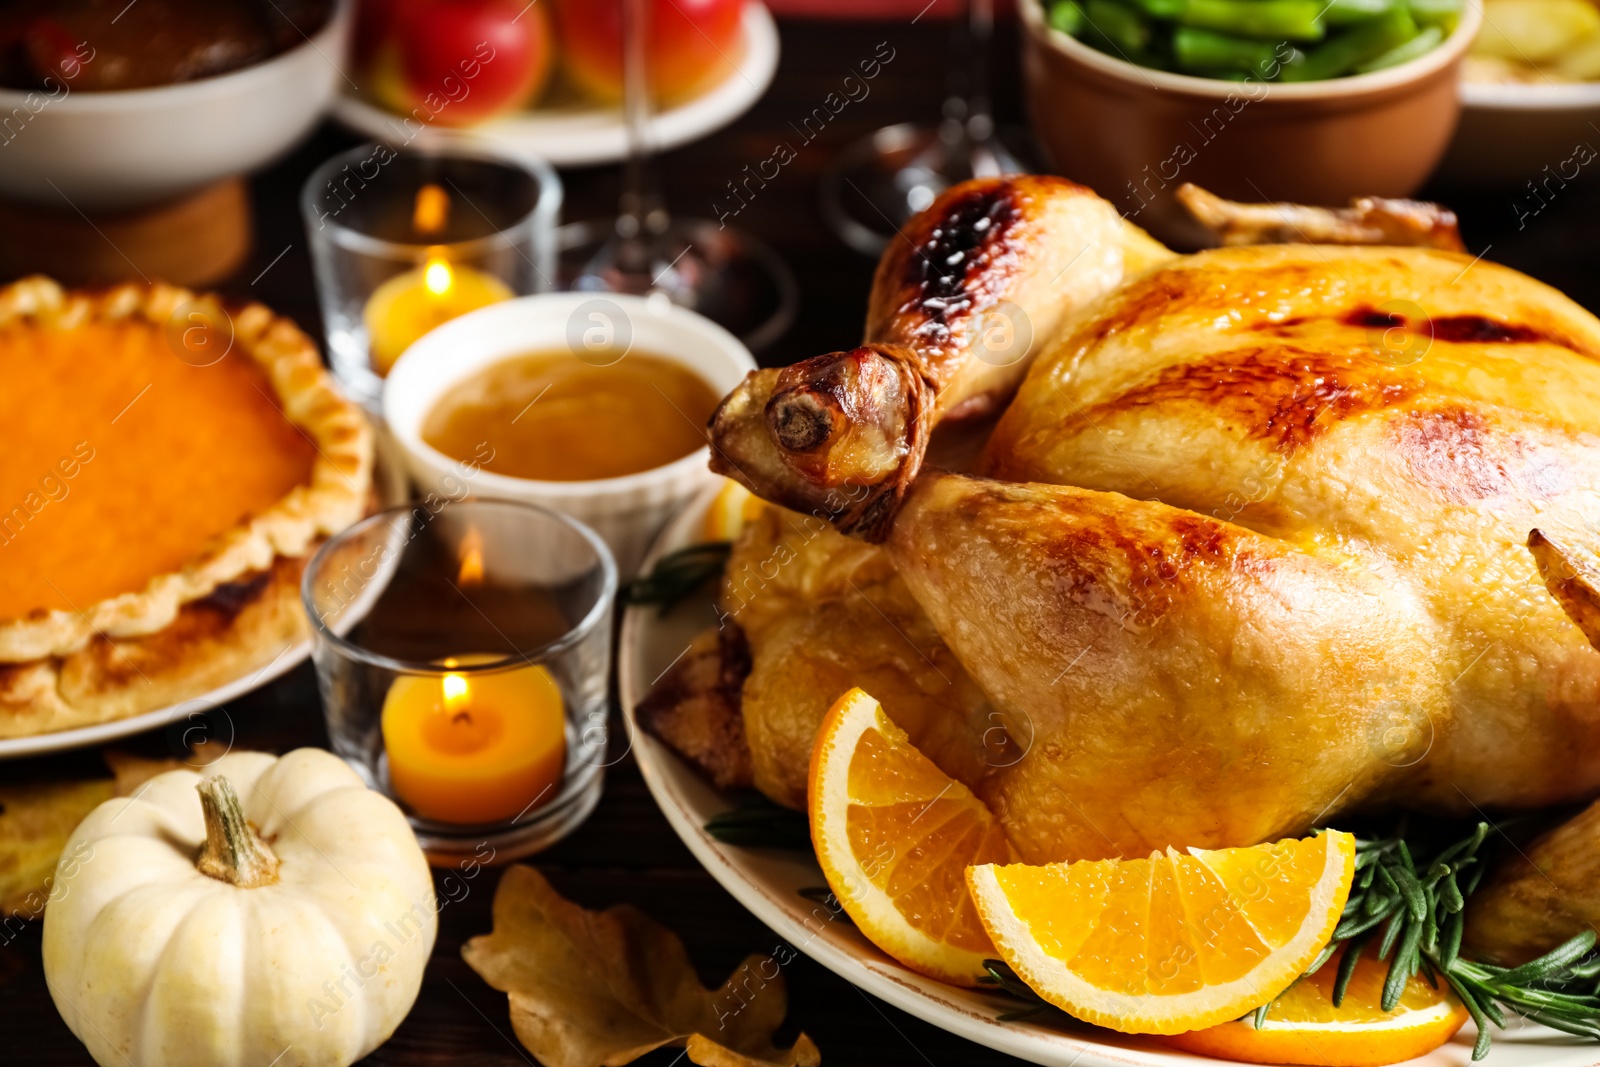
1134, 135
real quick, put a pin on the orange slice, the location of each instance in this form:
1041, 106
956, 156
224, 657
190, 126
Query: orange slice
730, 509
894, 835
1171, 943
1304, 1027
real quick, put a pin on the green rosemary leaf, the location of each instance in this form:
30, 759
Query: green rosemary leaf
759, 823
1322, 957
1450, 943
1406, 880
1354, 926
1404, 966
1347, 967
1551, 963
1473, 879
677, 574
1480, 1048
1258, 1018
1391, 934
1450, 893
1005, 980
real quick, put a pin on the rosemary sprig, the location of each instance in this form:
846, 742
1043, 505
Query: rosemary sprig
757, 822
677, 574
1007, 981
1413, 905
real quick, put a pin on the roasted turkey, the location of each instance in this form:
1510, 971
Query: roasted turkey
1248, 548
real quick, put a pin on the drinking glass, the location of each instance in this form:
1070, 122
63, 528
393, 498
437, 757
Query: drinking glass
879, 182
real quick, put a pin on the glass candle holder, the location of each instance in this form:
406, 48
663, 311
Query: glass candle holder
463, 654
403, 240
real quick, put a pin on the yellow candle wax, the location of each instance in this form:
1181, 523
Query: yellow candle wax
408, 305
475, 748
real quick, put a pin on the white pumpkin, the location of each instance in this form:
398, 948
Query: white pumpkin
178, 936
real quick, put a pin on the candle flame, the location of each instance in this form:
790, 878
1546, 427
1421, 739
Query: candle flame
471, 572
455, 690
432, 209
438, 277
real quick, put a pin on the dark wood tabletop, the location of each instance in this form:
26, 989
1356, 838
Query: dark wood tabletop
626, 851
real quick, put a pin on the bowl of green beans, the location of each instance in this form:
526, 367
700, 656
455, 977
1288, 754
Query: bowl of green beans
1313, 101
1270, 40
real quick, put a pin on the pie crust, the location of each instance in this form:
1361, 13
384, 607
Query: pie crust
231, 608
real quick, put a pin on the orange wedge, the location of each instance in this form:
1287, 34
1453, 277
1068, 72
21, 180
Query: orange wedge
1304, 1027
1172, 943
730, 509
894, 835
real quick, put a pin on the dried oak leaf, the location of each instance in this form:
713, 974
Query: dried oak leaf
36, 818
600, 989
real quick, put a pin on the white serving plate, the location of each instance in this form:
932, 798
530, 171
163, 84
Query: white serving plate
586, 135
768, 883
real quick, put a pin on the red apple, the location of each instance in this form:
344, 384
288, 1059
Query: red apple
692, 45
458, 62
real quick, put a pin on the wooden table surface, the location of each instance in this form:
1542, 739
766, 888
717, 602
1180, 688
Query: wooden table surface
626, 851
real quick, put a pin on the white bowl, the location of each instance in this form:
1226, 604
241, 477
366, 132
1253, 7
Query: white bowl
1508, 134
129, 149
627, 511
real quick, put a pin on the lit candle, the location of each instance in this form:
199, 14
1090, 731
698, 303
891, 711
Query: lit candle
475, 748
410, 304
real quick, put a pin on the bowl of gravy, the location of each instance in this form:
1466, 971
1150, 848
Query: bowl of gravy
592, 404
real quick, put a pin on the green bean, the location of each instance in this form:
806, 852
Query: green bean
1421, 44
1345, 12
1163, 9
1359, 44
1443, 13
1274, 20
1124, 28
1206, 52
1067, 17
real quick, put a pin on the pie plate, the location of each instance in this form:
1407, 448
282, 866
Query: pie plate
769, 883
390, 488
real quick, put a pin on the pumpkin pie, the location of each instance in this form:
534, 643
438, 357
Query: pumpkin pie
167, 469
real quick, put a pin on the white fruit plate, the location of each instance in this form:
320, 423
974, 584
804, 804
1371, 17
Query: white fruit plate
769, 883
586, 135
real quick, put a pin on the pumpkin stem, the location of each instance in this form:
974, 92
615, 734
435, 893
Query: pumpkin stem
233, 852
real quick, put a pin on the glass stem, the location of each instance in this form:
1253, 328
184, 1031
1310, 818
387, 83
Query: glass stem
640, 216
980, 35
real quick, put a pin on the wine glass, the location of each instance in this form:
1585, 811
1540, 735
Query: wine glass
723, 273
879, 182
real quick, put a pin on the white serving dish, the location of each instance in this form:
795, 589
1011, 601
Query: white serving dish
99, 151
768, 882
1509, 134
582, 136
627, 511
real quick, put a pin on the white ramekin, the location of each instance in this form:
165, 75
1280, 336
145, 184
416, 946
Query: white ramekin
627, 511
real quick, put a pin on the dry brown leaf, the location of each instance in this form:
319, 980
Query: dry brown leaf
132, 771
600, 989
36, 819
